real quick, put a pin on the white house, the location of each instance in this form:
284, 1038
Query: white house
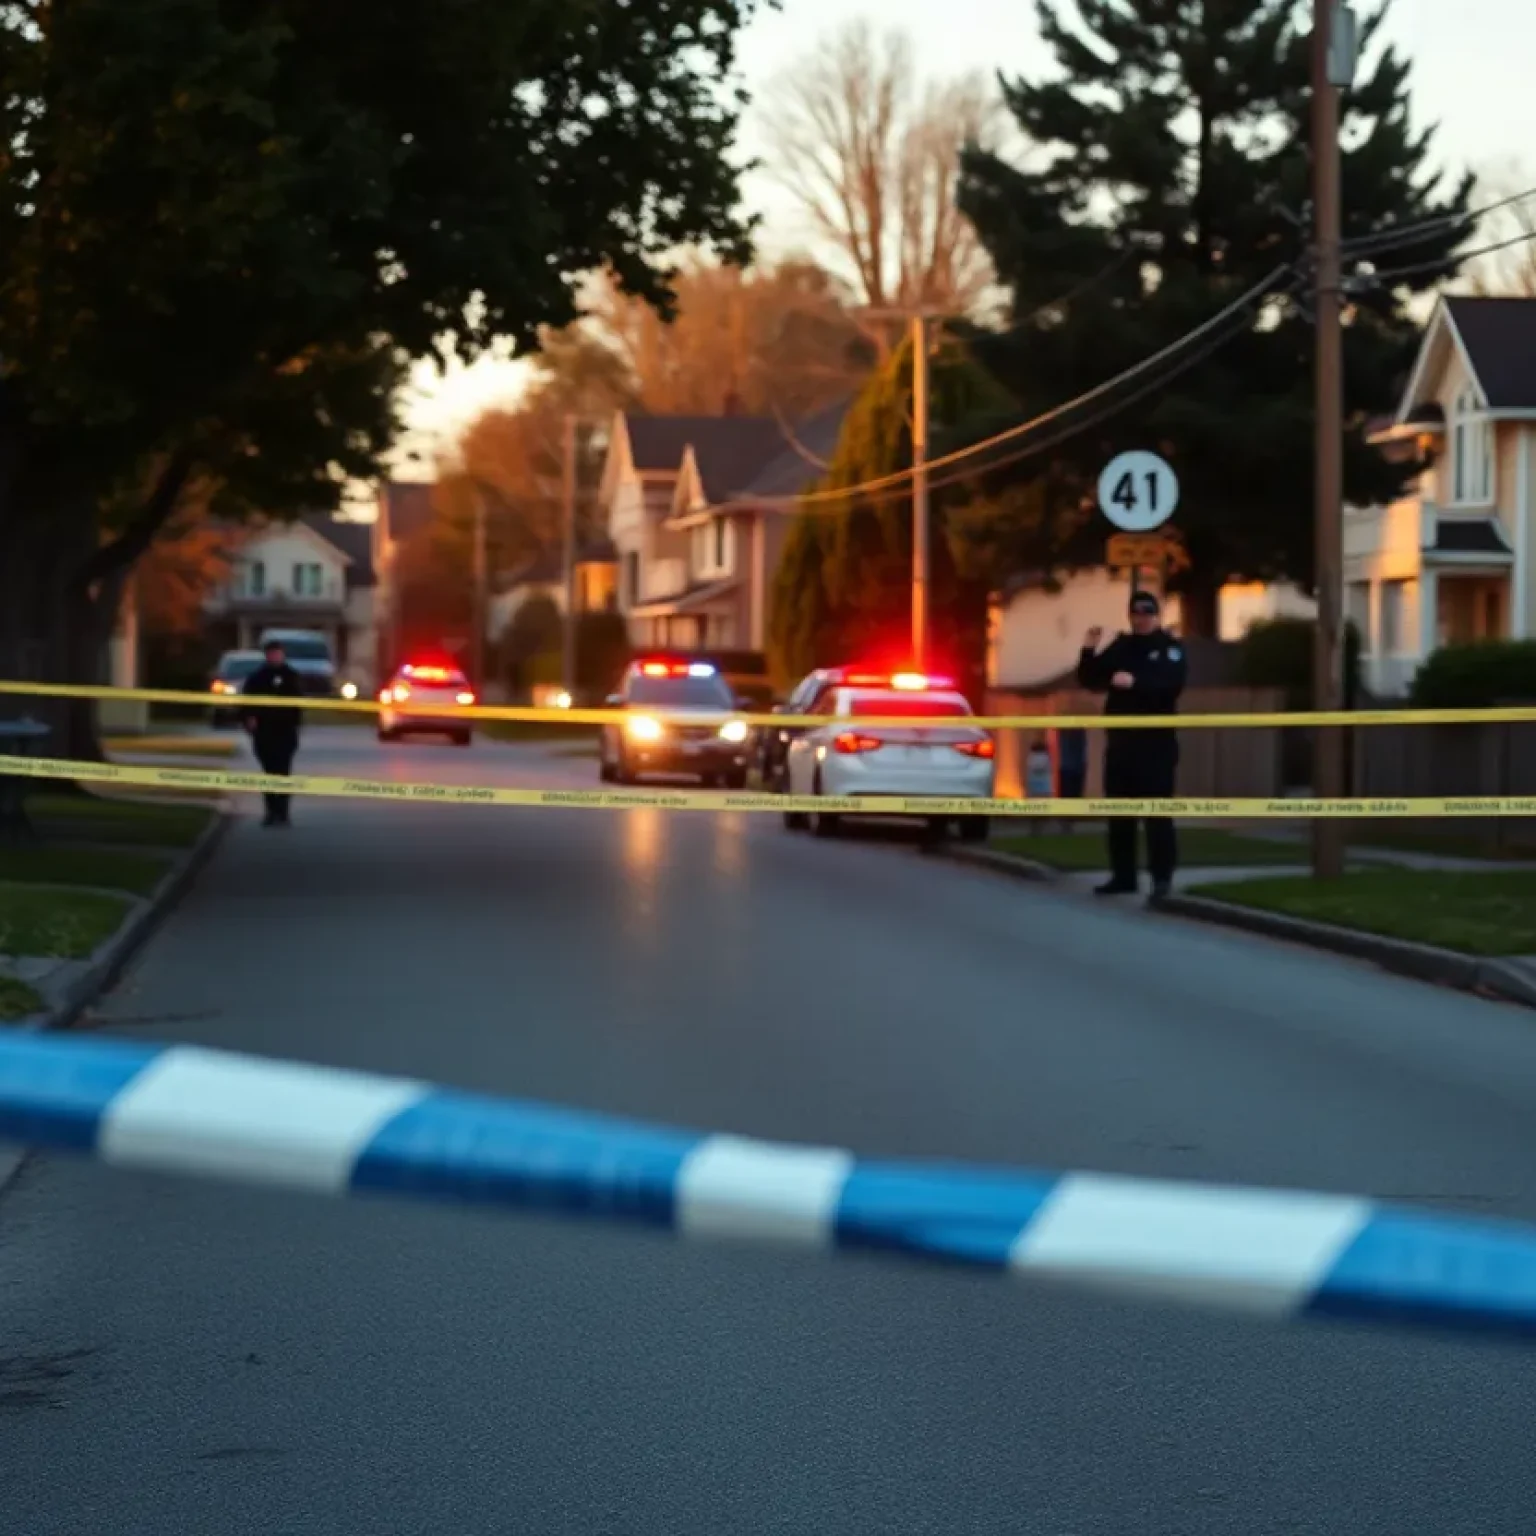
313, 573
1452, 561
698, 507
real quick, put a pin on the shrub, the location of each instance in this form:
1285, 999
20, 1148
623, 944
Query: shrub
1481, 675
1277, 653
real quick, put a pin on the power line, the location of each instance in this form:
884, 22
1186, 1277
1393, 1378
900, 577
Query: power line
959, 471
900, 479
1390, 274
1363, 246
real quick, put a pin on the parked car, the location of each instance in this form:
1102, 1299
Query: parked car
308, 652
228, 679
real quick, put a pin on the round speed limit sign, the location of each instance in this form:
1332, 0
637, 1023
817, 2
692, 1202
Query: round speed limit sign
1138, 491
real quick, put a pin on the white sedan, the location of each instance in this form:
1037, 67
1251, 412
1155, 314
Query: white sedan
433, 695
844, 757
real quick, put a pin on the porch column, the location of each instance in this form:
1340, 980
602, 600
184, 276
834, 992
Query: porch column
1429, 612
757, 597
1373, 641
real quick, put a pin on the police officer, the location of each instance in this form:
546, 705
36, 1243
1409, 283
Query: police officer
1143, 674
274, 731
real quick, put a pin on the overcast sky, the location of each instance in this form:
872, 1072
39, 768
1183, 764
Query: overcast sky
1472, 64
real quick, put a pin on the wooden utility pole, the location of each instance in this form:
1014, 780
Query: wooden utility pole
1328, 661
568, 517
920, 516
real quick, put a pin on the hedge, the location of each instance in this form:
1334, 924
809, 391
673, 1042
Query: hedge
1481, 675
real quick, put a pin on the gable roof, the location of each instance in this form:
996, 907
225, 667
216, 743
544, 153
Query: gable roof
795, 468
352, 538
1499, 336
729, 450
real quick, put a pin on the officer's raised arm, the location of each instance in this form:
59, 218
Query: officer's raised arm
1094, 667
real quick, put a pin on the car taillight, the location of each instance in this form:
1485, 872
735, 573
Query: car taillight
984, 748
849, 742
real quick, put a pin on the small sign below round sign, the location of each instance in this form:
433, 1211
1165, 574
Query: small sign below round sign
1138, 491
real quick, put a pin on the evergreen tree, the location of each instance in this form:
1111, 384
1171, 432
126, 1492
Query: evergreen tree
843, 589
1175, 175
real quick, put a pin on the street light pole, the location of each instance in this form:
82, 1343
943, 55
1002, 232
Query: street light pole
1328, 668
568, 511
920, 518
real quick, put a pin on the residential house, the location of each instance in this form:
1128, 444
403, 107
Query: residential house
698, 507
315, 572
1452, 560
596, 580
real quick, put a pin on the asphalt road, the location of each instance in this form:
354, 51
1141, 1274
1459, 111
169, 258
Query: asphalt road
186, 1358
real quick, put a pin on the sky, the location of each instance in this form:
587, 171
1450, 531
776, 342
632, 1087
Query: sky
1471, 62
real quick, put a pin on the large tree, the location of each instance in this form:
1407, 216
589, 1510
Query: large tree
1171, 173
224, 226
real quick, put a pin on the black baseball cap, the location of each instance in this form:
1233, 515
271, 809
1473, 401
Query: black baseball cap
1145, 602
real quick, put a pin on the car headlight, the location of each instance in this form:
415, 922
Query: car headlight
563, 700
349, 690
734, 730
643, 728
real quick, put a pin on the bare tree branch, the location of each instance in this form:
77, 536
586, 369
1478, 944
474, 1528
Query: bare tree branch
872, 162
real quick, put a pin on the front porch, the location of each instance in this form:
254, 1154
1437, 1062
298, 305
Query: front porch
705, 618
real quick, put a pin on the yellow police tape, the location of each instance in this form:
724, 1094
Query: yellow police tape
524, 712
729, 800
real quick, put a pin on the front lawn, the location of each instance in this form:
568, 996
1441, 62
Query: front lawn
57, 924
18, 1000
105, 868
94, 818
1478, 912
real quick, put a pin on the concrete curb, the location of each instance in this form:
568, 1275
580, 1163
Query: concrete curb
1010, 864
1423, 962
89, 979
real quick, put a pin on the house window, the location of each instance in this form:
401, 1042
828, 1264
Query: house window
308, 578
1471, 452
712, 547
255, 578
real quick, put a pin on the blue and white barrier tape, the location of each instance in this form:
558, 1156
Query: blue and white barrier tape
185, 1110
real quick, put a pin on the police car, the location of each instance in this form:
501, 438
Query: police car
680, 717
938, 754
431, 693
807, 697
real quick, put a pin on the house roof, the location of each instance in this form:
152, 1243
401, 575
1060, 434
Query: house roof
1468, 536
1500, 339
802, 460
729, 450
353, 539
690, 599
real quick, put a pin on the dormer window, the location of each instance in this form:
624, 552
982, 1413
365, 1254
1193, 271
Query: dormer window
1471, 452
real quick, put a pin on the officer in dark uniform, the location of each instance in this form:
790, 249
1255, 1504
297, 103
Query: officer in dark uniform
1143, 674
274, 732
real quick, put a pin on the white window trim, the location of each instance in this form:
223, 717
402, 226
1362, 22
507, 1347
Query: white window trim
1472, 428
703, 552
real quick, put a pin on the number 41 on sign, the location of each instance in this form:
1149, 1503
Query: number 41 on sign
1138, 491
